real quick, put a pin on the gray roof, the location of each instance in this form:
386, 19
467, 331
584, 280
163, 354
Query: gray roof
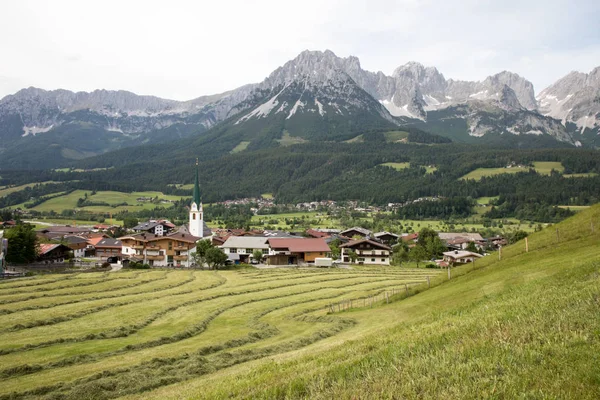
206, 232
246, 242
108, 242
364, 231
461, 254
463, 235
378, 234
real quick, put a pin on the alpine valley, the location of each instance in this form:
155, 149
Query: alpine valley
318, 127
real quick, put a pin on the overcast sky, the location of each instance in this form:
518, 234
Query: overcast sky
185, 49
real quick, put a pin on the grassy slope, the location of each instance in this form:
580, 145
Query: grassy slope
541, 167
522, 327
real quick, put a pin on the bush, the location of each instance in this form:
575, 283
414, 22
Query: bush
431, 265
138, 265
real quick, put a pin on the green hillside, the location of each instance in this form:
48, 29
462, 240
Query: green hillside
524, 327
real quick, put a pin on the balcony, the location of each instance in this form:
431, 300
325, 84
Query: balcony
180, 248
180, 258
137, 246
153, 247
155, 258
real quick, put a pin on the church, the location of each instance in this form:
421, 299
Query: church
197, 227
175, 248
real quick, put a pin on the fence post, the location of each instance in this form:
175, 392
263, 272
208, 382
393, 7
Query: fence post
449, 272
557, 236
592, 225
428, 282
500, 253
406, 287
526, 245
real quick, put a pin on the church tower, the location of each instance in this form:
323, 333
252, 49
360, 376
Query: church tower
196, 212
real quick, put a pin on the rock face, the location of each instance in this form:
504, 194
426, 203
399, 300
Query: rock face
317, 95
574, 98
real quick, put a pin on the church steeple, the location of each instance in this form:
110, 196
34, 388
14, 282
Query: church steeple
196, 213
196, 195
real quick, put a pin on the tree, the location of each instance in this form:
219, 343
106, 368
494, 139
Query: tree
130, 222
257, 255
215, 258
334, 245
426, 235
400, 256
202, 247
418, 253
22, 244
353, 256
471, 247
435, 247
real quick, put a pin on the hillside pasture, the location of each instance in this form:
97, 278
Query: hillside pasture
69, 201
541, 167
60, 332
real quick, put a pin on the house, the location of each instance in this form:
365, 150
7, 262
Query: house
316, 234
108, 247
8, 224
460, 257
53, 253
367, 251
473, 237
410, 238
356, 231
387, 238
3, 250
174, 249
240, 248
77, 244
296, 251
63, 230
160, 227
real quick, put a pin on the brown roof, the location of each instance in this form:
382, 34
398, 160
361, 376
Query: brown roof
409, 237
359, 241
317, 234
150, 237
299, 245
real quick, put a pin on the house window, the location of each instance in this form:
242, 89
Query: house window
384, 260
372, 260
170, 245
248, 251
193, 215
233, 250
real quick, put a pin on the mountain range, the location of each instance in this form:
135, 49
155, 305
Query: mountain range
317, 96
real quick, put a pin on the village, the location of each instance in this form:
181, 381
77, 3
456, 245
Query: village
160, 243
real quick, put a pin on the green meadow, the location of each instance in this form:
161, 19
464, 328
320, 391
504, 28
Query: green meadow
541, 167
524, 326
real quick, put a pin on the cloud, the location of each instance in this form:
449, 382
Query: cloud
185, 49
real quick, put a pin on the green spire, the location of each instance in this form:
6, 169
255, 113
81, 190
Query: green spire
196, 196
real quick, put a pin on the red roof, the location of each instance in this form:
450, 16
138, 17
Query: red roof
411, 236
299, 245
46, 247
317, 234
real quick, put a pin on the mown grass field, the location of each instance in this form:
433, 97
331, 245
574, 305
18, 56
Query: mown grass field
541, 167
69, 201
523, 327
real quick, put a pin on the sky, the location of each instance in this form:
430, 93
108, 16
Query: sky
185, 49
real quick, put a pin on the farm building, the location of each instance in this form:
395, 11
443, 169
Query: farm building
367, 251
460, 257
296, 251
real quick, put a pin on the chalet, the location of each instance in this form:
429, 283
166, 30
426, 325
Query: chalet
108, 247
473, 237
241, 248
3, 250
316, 234
64, 230
387, 237
410, 238
356, 231
77, 244
460, 257
174, 249
53, 253
367, 251
296, 251
8, 224
160, 227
